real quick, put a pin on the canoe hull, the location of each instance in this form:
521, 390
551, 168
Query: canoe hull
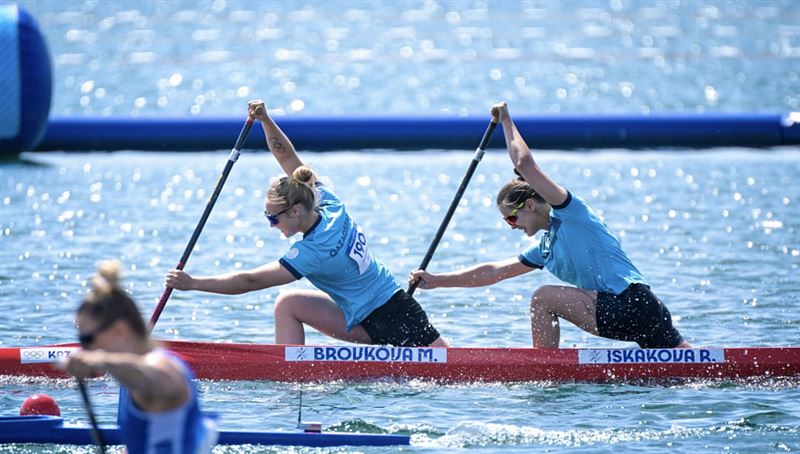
291, 363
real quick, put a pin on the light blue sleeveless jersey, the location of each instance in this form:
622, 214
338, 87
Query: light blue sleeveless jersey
579, 249
333, 255
184, 430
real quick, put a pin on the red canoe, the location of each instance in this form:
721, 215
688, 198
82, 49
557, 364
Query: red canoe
309, 363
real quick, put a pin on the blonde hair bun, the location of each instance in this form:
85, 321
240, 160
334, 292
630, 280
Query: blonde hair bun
300, 187
107, 278
305, 176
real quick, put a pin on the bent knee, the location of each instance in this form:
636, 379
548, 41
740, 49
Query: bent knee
543, 295
285, 302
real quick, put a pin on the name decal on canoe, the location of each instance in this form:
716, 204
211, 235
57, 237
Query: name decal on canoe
651, 355
367, 353
36, 355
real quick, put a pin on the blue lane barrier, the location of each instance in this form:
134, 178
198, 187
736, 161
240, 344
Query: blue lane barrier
423, 132
25, 80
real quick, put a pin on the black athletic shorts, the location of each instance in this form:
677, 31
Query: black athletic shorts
636, 315
400, 322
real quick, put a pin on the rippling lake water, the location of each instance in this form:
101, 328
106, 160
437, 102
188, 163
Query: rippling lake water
133, 57
715, 232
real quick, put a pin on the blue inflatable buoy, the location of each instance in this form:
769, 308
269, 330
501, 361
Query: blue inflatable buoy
26, 81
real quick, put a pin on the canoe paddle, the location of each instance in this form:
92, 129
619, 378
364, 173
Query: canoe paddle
209, 206
454, 204
96, 435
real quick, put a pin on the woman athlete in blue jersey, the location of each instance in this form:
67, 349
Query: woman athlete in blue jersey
610, 298
359, 299
159, 408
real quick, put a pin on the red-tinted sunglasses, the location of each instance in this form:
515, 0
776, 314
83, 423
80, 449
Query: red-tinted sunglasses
512, 217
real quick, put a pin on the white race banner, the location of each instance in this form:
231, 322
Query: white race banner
367, 353
35, 355
651, 355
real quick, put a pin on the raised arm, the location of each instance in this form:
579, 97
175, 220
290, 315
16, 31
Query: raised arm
523, 160
272, 274
280, 145
481, 275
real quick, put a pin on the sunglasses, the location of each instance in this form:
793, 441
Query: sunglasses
512, 217
88, 339
273, 218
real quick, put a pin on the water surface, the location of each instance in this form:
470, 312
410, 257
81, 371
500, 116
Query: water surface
715, 233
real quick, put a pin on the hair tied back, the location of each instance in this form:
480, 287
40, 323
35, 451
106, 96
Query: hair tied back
107, 278
304, 175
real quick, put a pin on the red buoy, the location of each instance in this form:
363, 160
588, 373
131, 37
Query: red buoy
39, 404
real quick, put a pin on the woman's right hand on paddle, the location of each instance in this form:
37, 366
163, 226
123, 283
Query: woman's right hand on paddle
257, 109
179, 280
426, 279
500, 111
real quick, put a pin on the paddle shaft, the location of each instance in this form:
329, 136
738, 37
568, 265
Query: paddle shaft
454, 204
199, 228
96, 435
300, 409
